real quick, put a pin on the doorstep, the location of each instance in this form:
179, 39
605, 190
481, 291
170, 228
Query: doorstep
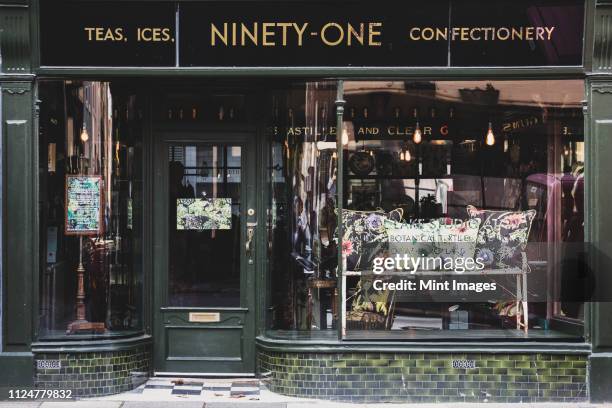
221, 392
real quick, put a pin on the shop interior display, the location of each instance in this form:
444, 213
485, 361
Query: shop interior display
90, 131
501, 152
505, 153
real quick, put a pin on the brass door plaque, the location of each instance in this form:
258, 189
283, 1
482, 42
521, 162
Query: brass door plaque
202, 317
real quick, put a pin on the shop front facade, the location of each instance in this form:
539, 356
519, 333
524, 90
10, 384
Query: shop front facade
351, 202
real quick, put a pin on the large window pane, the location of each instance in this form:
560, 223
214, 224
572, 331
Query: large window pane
302, 218
90, 149
480, 182
204, 224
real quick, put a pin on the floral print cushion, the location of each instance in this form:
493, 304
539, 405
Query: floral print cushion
441, 238
364, 237
502, 236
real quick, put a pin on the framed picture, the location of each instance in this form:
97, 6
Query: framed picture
83, 205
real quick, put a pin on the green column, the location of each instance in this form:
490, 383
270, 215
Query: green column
19, 255
598, 222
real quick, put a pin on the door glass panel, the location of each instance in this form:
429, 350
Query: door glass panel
204, 183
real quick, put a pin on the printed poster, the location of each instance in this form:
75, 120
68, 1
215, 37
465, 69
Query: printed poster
83, 205
203, 213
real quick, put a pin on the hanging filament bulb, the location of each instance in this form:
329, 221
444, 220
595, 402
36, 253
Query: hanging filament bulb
407, 156
84, 134
490, 138
402, 155
345, 137
417, 136
347, 131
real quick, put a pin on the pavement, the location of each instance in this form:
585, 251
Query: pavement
97, 403
246, 393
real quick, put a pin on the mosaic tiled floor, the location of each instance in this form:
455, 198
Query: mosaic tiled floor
213, 392
249, 389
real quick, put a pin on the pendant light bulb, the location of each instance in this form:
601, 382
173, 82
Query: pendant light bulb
417, 136
407, 156
490, 138
402, 155
84, 134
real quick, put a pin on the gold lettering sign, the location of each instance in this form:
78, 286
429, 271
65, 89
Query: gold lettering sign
521, 123
529, 33
283, 34
365, 34
116, 34
204, 317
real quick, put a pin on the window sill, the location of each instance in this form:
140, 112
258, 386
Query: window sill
87, 344
326, 341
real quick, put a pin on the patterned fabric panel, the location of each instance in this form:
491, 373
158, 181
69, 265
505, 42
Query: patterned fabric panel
502, 236
365, 236
441, 238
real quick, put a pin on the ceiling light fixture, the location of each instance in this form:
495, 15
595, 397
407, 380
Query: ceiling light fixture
417, 136
490, 138
84, 134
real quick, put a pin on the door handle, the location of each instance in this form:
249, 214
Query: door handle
249, 239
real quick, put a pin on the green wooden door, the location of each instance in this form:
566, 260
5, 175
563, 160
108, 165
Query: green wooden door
204, 266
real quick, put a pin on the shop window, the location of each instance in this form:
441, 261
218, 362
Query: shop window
302, 257
487, 176
91, 209
480, 182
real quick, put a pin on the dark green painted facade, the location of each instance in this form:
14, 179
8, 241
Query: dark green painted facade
19, 263
504, 375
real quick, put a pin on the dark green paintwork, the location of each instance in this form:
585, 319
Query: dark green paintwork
19, 159
180, 345
20, 266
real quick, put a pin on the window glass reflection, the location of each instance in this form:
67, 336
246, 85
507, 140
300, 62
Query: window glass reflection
302, 216
204, 225
461, 171
487, 172
92, 130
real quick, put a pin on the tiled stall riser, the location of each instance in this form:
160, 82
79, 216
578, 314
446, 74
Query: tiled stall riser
403, 377
95, 374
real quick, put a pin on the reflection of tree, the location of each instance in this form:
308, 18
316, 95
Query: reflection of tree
203, 213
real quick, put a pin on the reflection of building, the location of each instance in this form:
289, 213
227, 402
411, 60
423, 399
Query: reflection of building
222, 195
